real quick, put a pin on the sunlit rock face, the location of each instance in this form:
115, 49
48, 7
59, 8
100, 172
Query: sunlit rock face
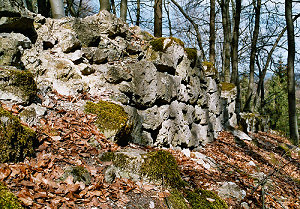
172, 99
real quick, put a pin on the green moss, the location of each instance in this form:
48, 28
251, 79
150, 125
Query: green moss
191, 53
284, 147
107, 156
23, 80
210, 67
177, 200
7, 199
227, 86
17, 141
110, 117
120, 160
158, 43
161, 166
79, 174
147, 36
204, 199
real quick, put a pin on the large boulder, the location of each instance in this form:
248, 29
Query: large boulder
17, 141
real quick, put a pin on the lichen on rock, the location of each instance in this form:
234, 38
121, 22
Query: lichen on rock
159, 44
112, 120
79, 173
17, 141
7, 199
227, 86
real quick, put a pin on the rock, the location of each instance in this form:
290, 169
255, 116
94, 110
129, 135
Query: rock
32, 113
17, 141
118, 74
69, 43
167, 86
87, 71
9, 8
12, 46
112, 120
241, 135
144, 82
17, 86
231, 190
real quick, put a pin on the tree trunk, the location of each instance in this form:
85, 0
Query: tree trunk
195, 27
294, 135
123, 10
250, 90
104, 5
212, 32
227, 35
44, 8
234, 57
158, 18
138, 12
169, 19
57, 8
113, 7
260, 88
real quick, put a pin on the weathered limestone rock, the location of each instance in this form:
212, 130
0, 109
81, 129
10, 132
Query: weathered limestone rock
231, 190
228, 95
17, 86
12, 46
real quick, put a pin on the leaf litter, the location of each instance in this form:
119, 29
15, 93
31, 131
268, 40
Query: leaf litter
69, 137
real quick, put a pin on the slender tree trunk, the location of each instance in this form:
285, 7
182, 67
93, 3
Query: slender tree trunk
169, 19
158, 18
294, 135
195, 27
104, 5
257, 6
57, 8
234, 57
138, 12
123, 10
44, 8
269, 57
113, 7
212, 32
79, 8
227, 35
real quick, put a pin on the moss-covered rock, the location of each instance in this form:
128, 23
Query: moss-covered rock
159, 45
17, 85
79, 174
17, 141
227, 86
7, 199
177, 200
161, 166
112, 120
204, 199
209, 69
191, 53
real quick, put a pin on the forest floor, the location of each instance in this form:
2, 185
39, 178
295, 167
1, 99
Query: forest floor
268, 167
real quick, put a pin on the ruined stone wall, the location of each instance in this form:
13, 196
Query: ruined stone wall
173, 99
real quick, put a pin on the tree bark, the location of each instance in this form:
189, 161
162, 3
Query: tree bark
57, 9
195, 27
138, 12
212, 32
104, 5
158, 18
227, 35
123, 10
234, 56
250, 90
113, 7
294, 135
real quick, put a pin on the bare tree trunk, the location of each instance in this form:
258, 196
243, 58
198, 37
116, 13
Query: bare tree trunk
195, 27
158, 18
227, 35
257, 6
212, 32
113, 7
123, 10
260, 88
294, 135
169, 19
104, 5
57, 8
234, 56
44, 8
138, 12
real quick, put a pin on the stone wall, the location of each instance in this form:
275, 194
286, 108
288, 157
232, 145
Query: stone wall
172, 99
